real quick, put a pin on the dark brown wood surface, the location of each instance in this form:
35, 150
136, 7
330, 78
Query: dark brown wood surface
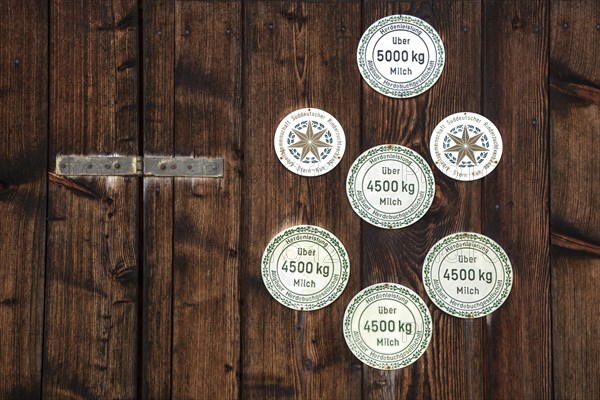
150, 288
158, 69
206, 214
452, 365
297, 56
192, 107
515, 197
91, 298
23, 157
575, 176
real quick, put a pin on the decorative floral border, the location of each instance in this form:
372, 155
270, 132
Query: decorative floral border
312, 167
467, 172
361, 56
405, 151
484, 240
301, 230
404, 291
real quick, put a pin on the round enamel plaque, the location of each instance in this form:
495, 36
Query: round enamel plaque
467, 275
387, 326
400, 56
310, 142
305, 267
390, 186
466, 146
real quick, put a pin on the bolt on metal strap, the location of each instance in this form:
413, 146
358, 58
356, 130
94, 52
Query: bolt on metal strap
139, 166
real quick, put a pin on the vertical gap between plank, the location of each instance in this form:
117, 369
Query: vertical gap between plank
48, 164
140, 212
361, 122
549, 180
483, 52
172, 297
241, 186
243, 250
173, 182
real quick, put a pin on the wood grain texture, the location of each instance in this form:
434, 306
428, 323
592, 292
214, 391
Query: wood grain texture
23, 160
206, 342
158, 122
215, 80
518, 342
576, 356
158, 288
91, 324
452, 365
575, 106
299, 54
575, 180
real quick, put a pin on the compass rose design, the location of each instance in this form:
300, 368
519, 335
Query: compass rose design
466, 146
310, 142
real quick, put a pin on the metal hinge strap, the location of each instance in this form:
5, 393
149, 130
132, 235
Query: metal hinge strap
139, 166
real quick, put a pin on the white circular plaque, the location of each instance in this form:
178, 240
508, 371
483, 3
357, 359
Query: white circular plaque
390, 186
305, 267
467, 275
387, 326
310, 142
400, 56
466, 146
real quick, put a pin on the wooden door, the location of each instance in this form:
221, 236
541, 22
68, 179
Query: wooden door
150, 287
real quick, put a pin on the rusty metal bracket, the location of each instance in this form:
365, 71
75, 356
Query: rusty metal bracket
139, 166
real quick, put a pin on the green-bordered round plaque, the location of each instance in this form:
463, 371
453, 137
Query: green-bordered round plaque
390, 186
467, 275
387, 326
400, 56
305, 267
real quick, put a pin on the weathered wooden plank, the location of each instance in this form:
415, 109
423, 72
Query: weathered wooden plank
298, 55
576, 356
23, 160
575, 179
158, 289
452, 365
575, 102
206, 347
158, 107
91, 324
518, 349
